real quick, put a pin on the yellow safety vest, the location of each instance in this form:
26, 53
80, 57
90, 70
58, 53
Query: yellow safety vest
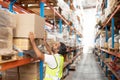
55, 73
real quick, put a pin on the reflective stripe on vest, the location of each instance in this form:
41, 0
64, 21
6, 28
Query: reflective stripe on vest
55, 73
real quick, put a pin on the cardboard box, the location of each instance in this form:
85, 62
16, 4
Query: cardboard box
11, 77
27, 76
11, 74
6, 38
24, 43
12, 70
32, 68
29, 23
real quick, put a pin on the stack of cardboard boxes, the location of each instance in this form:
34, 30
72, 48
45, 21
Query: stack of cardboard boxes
6, 36
11, 74
26, 72
29, 72
19, 36
27, 23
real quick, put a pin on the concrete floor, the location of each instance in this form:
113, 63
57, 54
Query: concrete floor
87, 69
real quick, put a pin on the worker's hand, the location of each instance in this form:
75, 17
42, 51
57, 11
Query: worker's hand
31, 36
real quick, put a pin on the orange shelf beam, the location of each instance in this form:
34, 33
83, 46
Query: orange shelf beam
113, 71
111, 53
8, 65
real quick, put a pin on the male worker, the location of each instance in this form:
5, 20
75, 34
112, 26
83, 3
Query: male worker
54, 62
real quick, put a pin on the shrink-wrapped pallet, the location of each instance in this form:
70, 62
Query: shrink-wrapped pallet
6, 37
7, 19
102, 40
116, 42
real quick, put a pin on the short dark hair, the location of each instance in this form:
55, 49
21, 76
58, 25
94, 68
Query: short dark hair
62, 49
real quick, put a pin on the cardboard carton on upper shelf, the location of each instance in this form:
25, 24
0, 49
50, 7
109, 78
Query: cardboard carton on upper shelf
24, 43
26, 23
6, 36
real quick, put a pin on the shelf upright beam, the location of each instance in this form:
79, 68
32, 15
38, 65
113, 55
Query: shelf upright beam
106, 40
12, 2
107, 55
113, 32
60, 25
102, 61
42, 15
113, 77
113, 25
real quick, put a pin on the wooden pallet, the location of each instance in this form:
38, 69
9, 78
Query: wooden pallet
113, 50
8, 58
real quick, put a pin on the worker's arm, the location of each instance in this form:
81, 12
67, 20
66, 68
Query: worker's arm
47, 46
39, 54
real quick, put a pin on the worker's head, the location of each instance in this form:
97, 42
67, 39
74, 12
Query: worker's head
59, 48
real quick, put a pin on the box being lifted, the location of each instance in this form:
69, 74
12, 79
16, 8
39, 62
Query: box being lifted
29, 23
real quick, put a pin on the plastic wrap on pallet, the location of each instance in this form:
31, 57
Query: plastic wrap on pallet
116, 42
112, 4
6, 36
107, 12
7, 19
6, 51
103, 18
97, 44
102, 40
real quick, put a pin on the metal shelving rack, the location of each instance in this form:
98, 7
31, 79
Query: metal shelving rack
23, 61
106, 52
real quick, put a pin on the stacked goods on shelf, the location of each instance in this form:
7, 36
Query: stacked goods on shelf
28, 23
29, 72
24, 43
105, 43
102, 40
11, 74
110, 7
112, 4
7, 24
116, 43
103, 18
7, 19
97, 43
6, 36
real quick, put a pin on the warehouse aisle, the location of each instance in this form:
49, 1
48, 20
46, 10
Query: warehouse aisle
87, 69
